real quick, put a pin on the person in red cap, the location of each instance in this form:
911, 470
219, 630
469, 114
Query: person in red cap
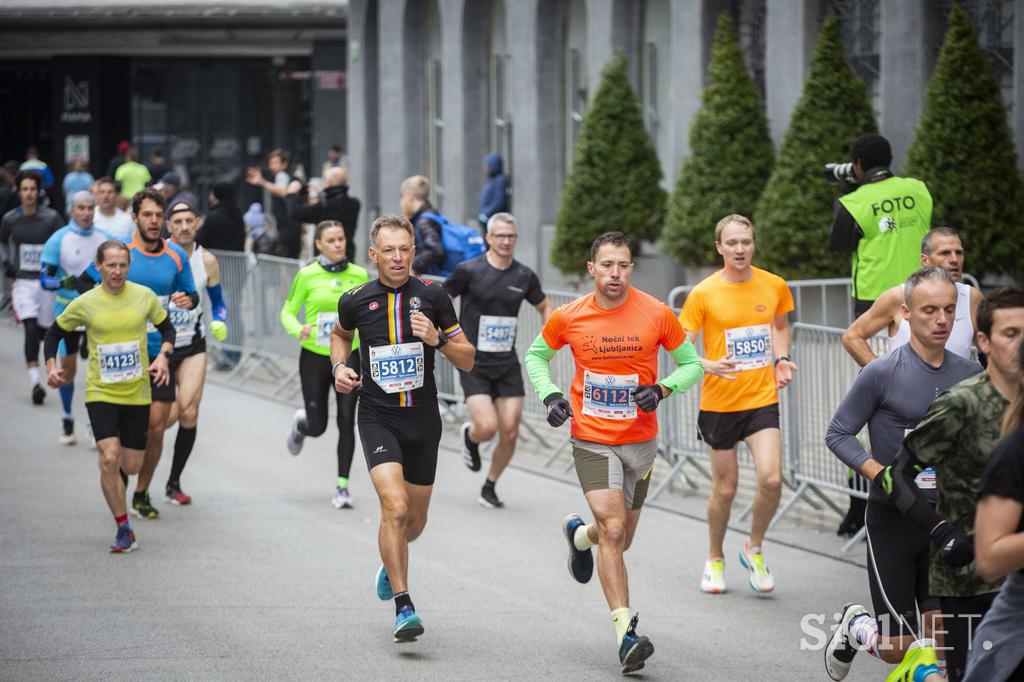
122, 148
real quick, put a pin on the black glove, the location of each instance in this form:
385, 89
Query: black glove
955, 548
648, 397
559, 409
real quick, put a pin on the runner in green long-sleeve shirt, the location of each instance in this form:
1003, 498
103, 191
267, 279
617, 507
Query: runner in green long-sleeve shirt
316, 289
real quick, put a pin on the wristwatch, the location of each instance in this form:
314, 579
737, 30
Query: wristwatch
166, 353
781, 358
442, 339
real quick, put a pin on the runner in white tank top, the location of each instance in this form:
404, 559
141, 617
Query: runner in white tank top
942, 247
188, 362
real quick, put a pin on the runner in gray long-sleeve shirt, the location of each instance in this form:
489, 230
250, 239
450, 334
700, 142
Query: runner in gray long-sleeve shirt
890, 396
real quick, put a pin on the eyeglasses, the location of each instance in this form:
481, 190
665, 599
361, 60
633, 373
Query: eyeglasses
506, 236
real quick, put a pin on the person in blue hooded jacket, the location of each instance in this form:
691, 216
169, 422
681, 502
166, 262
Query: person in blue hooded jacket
494, 197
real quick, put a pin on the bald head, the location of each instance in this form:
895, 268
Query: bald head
336, 176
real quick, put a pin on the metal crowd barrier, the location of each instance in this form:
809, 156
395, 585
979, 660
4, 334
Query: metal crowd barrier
262, 352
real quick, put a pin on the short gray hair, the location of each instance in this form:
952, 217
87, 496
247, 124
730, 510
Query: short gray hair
928, 272
82, 195
926, 243
506, 218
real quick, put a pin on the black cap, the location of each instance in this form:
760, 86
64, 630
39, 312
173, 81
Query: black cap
180, 206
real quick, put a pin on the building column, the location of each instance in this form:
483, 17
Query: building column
910, 34
791, 31
363, 165
329, 108
600, 48
454, 87
399, 150
688, 53
1018, 82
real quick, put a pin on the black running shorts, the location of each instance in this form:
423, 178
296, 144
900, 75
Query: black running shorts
197, 346
407, 435
501, 381
129, 423
723, 430
167, 393
898, 555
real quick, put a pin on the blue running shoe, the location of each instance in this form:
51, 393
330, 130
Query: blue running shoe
408, 625
581, 561
384, 591
635, 649
124, 542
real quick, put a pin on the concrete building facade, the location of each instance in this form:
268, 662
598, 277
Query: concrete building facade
434, 85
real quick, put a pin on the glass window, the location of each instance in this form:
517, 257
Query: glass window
859, 22
751, 30
655, 83
500, 124
993, 20
575, 83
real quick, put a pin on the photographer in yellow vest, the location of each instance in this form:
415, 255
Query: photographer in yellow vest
881, 221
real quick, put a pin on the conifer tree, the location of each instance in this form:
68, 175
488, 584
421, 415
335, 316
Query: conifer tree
614, 180
731, 155
964, 152
795, 210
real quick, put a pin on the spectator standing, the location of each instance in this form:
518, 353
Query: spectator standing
171, 186
494, 197
8, 192
333, 203
36, 165
264, 239
289, 232
158, 166
110, 217
223, 227
132, 175
415, 202
78, 179
336, 158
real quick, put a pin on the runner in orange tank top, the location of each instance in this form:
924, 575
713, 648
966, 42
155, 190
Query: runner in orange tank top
615, 334
742, 312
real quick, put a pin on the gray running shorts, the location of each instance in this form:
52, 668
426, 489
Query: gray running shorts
620, 467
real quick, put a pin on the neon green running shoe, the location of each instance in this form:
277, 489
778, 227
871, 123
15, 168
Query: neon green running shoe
917, 664
761, 579
713, 579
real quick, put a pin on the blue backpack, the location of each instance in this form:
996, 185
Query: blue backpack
460, 242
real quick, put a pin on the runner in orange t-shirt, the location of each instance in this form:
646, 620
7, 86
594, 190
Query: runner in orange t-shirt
615, 334
742, 312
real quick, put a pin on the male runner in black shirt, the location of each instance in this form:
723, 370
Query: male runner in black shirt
402, 321
492, 288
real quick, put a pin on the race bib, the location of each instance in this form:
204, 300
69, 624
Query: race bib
926, 479
398, 367
165, 302
324, 325
750, 347
30, 256
496, 335
119, 362
181, 318
609, 396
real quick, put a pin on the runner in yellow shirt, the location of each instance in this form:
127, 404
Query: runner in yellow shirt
117, 386
742, 312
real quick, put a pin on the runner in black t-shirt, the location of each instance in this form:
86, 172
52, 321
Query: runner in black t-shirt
402, 321
492, 288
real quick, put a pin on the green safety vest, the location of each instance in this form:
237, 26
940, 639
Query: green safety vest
894, 215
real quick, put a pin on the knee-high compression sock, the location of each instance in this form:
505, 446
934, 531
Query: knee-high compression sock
183, 444
67, 392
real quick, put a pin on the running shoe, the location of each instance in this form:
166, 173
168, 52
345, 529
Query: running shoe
143, 508
408, 626
841, 648
295, 436
635, 649
342, 499
176, 496
581, 561
68, 436
489, 498
470, 450
124, 541
713, 579
917, 664
384, 591
761, 579
38, 395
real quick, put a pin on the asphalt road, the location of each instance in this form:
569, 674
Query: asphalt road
262, 579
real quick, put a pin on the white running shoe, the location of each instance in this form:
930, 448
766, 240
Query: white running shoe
342, 499
713, 580
761, 579
67, 436
295, 437
841, 648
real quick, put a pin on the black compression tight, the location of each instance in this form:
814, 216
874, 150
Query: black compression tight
317, 387
33, 337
